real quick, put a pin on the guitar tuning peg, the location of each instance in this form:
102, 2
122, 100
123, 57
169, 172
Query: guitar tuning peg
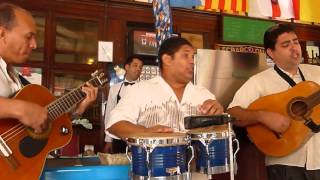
94, 74
101, 74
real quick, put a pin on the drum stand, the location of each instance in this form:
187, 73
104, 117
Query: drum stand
232, 157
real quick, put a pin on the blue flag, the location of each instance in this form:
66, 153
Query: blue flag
163, 23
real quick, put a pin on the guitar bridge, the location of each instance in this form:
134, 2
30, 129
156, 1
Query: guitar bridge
7, 154
4, 148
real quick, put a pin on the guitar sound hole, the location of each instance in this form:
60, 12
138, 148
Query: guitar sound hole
299, 108
30, 147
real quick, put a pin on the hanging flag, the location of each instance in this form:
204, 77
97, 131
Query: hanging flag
227, 5
163, 22
296, 8
275, 8
204, 5
233, 5
236, 5
280, 9
224, 5
286, 9
243, 6
215, 4
185, 3
221, 4
261, 8
309, 10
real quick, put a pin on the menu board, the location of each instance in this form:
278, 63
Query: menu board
244, 30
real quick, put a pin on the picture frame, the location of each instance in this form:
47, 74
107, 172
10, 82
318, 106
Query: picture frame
144, 43
31, 74
196, 39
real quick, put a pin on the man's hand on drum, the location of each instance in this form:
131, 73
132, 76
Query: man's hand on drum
159, 129
211, 107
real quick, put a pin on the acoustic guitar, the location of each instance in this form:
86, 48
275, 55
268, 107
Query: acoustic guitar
22, 152
300, 104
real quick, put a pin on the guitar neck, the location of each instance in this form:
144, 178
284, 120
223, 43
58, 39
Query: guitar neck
65, 103
313, 99
68, 101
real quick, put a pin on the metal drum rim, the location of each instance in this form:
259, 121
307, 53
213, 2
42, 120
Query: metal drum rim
158, 142
214, 169
183, 176
209, 135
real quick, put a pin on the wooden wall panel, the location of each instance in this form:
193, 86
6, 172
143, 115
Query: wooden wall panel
308, 32
116, 32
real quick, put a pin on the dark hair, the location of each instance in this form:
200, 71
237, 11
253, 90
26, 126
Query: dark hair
171, 46
7, 15
271, 35
130, 59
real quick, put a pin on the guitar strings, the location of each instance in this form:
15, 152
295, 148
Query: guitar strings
22, 129
12, 128
12, 131
15, 131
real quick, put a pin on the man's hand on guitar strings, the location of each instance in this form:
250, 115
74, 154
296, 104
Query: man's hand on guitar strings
32, 115
274, 121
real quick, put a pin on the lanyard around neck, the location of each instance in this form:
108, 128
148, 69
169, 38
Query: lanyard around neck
286, 77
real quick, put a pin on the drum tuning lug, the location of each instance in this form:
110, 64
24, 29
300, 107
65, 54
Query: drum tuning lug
187, 139
64, 130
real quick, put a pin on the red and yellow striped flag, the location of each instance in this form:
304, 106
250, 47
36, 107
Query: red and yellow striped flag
241, 5
215, 4
228, 5
207, 4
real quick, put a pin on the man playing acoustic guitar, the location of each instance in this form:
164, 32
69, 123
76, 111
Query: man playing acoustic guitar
282, 46
17, 40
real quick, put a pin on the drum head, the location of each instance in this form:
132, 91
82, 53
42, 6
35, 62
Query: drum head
157, 139
208, 133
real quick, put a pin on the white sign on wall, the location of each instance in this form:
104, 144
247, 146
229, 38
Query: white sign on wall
105, 51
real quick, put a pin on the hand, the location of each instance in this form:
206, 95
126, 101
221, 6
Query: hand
32, 115
211, 107
159, 128
274, 121
108, 148
91, 95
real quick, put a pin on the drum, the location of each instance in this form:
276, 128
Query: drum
211, 146
159, 155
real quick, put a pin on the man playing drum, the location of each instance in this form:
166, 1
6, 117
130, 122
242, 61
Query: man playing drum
152, 110
160, 104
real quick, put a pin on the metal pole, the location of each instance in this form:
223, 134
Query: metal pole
230, 152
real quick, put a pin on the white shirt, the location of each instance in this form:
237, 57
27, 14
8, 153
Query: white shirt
269, 82
8, 86
112, 101
153, 102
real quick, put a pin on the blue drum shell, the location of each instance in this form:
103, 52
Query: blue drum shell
162, 158
218, 154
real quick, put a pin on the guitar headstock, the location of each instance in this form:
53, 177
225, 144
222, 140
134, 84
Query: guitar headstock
99, 78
